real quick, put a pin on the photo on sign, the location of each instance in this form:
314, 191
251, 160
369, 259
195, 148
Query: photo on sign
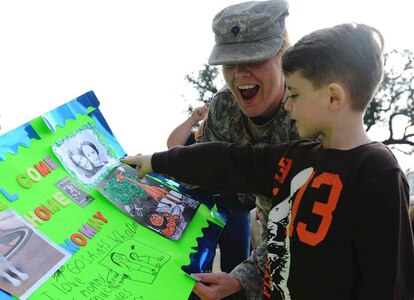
85, 155
23, 268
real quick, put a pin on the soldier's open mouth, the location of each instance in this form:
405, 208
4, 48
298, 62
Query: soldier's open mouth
248, 91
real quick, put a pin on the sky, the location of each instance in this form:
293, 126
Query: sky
135, 54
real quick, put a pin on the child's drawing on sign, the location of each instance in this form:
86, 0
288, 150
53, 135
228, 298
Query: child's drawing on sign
148, 202
133, 260
139, 263
167, 218
165, 214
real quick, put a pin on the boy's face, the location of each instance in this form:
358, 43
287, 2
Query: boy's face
307, 105
257, 87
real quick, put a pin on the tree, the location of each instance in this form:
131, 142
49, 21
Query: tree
204, 83
391, 110
390, 113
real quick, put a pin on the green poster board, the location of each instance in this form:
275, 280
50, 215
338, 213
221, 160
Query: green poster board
69, 240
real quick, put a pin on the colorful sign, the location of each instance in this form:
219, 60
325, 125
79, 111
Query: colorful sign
77, 224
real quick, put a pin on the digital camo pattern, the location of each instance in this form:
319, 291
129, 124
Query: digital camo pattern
248, 32
251, 274
226, 122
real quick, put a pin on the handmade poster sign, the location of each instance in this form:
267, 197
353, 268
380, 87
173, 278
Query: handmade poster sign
77, 224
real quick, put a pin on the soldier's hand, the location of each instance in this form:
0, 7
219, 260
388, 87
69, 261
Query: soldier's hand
214, 286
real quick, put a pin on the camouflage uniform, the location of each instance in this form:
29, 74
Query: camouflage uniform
226, 122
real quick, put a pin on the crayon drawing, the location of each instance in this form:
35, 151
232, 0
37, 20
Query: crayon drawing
133, 260
149, 202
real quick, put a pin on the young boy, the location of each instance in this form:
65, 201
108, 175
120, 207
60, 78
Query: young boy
339, 228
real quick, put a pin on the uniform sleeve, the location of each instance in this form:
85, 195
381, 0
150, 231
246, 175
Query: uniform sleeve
221, 166
250, 273
383, 239
190, 140
210, 129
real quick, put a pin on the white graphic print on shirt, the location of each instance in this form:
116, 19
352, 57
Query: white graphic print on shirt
278, 242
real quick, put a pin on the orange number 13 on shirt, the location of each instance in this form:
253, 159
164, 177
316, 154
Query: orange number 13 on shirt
323, 209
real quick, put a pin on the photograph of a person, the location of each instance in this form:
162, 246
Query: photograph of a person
85, 155
149, 202
23, 268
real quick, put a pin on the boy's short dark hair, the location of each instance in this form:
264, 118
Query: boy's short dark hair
349, 54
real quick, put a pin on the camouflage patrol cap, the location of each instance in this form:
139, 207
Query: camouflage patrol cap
248, 32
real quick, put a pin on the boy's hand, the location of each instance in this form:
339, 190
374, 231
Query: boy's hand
142, 163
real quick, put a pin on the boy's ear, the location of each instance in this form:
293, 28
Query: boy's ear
337, 96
